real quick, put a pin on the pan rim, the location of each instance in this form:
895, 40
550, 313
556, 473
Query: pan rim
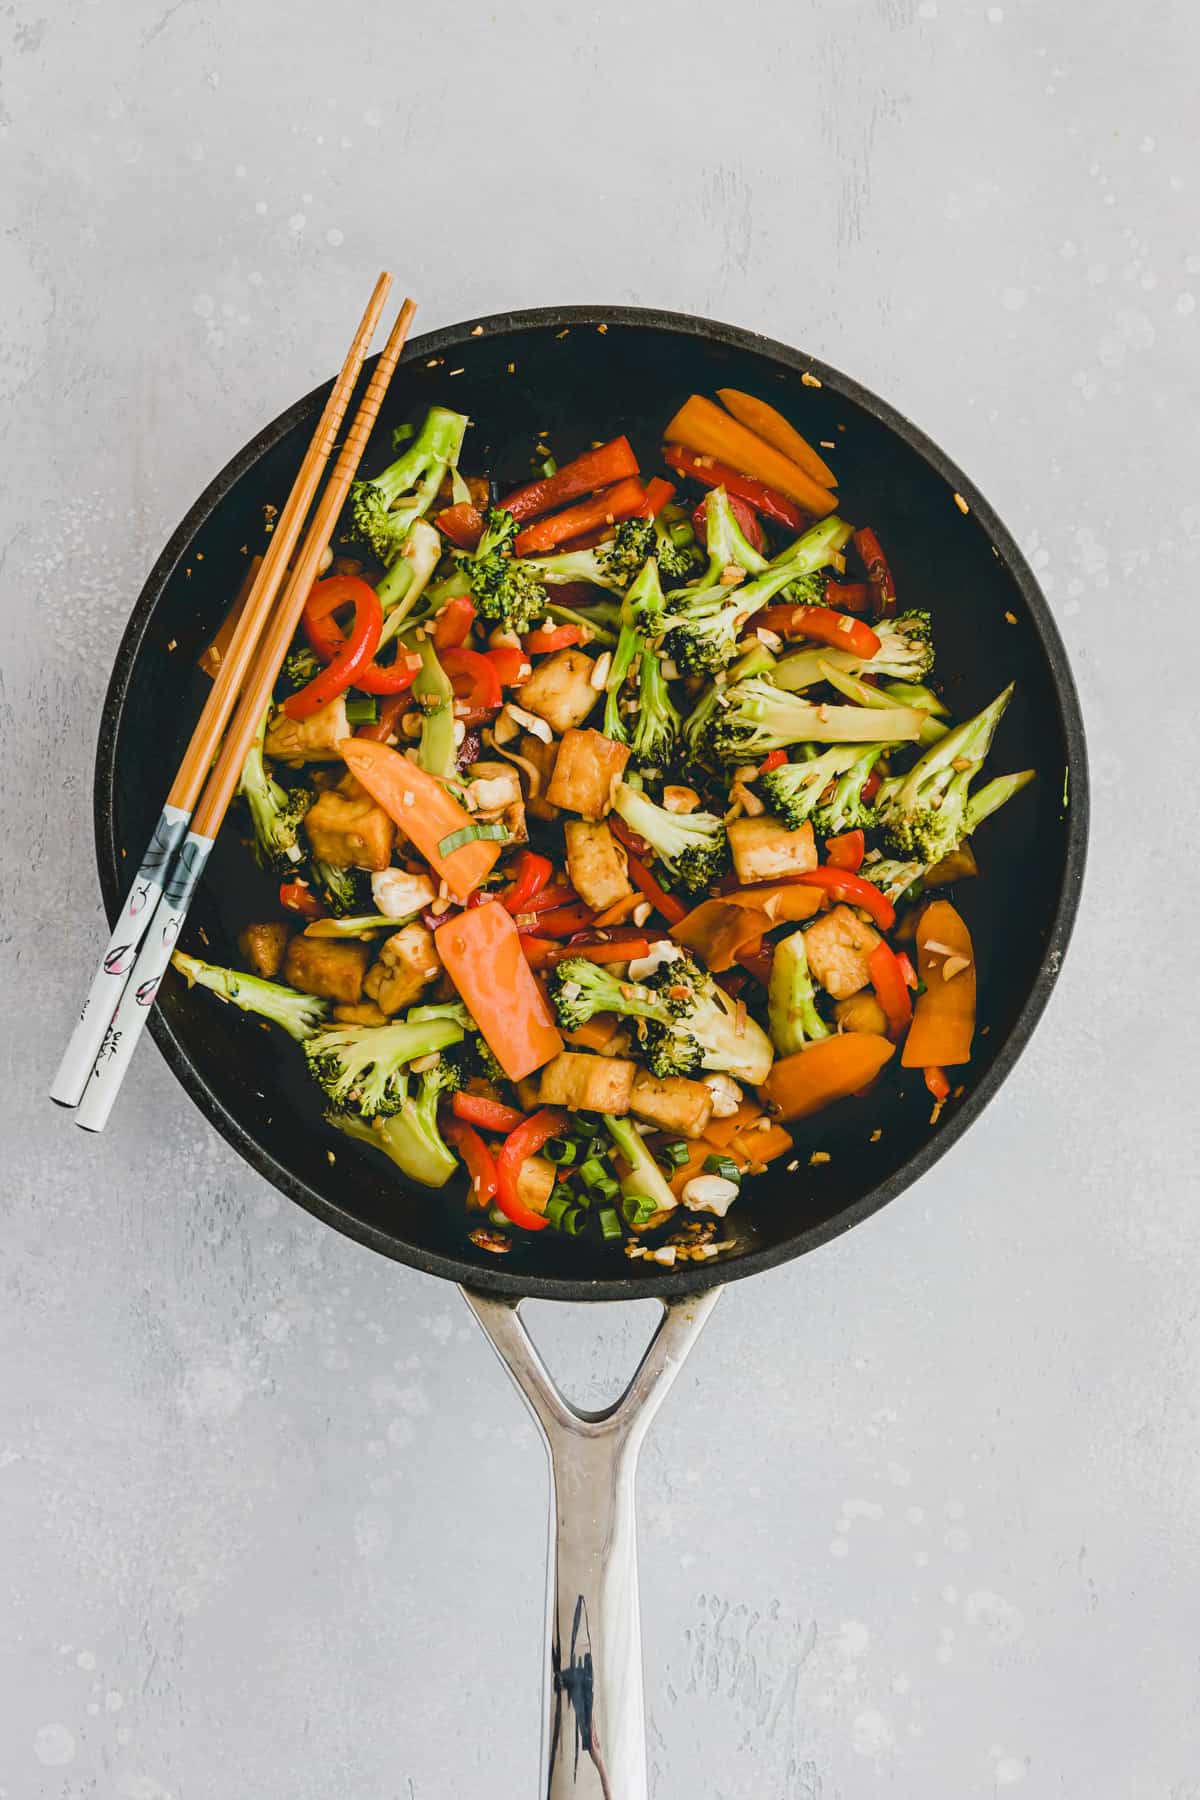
691, 1278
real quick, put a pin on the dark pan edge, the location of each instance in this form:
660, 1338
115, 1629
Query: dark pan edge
692, 1278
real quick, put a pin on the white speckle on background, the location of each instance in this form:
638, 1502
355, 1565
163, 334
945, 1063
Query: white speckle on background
1014, 299
54, 1746
927, 9
335, 237
1185, 304
995, 15
997, 1618
1008, 1770
85, 1660
113, 1701
296, 224
872, 1735
212, 1391
142, 1787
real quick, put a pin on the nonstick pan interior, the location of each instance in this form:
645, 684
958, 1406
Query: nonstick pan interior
566, 377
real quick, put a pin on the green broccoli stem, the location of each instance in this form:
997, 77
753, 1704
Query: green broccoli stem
275, 811
419, 469
406, 1139
698, 723
407, 577
656, 722
299, 1014
905, 653
862, 693
643, 1175
791, 1003
434, 694
596, 628
993, 795
755, 717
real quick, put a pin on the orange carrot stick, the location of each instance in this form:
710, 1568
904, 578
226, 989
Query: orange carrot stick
761, 418
424, 810
701, 425
831, 1069
481, 952
944, 1015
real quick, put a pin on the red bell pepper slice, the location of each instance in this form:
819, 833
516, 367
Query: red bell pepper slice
669, 905
937, 1082
855, 890
891, 989
872, 785
757, 962
742, 511
511, 665
552, 637
454, 622
481, 1164
296, 898
540, 953
563, 921
517, 1147
658, 494
775, 759
846, 851
597, 468
710, 473
462, 524
353, 653
473, 677
851, 596
904, 961
485, 1114
388, 723
325, 638
837, 629
627, 500
533, 873
879, 572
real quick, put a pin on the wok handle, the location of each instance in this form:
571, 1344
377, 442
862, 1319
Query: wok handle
594, 1742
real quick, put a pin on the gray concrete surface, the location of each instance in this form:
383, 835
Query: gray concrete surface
921, 1516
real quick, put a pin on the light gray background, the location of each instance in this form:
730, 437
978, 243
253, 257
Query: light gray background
921, 1516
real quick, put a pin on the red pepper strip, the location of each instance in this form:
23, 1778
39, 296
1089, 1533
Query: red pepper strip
325, 638
540, 953
481, 1164
388, 723
851, 596
891, 989
532, 874
710, 473
823, 624
757, 962
625, 501
597, 468
511, 665
872, 785
487, 1115
937, 1083
671, 908
462, 524
557, 895
775, 760
354, 653
517, 1147
552, 637
840, 884
879, 572
561, 921
846, 851
299, 899
454, 623
742, 511
473, 677
658, 493
904, 961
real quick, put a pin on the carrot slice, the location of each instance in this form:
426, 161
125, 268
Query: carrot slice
722, 1132
717, 929
762, 1143
701, 425
481, 952
944, 1016
831, 1069
761, 418
424, 810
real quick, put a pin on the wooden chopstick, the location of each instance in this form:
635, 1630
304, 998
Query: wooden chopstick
138, 997
108, 983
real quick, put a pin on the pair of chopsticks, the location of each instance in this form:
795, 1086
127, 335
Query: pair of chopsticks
139, 950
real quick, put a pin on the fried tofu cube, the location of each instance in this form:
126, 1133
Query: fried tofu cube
349, 832
535, 1182
496, 795
861, 1012
673, 1102
587, 1083
398, 893
365, 1013
263, 947
596, 863
560, 690
407, 963
839, 948
586, 773
543, 757
314, 739
764, 849
331, 967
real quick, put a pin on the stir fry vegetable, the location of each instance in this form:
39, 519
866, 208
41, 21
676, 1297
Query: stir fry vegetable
601, 819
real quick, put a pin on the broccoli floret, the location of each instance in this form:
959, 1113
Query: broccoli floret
698, 725
299, 1014
895, 878
362, 1068
686, 1022
794, 790
692, 847
641, 620
791, 1004
383, 510
643, 1177
706, 621
754, 717
657, 721
410, 1136
505, 588
923, 812
613, 564
344, 891
676, 551
407, 577
275, 812
845, 809
905, 653
726, 543
299, 668
476, 1056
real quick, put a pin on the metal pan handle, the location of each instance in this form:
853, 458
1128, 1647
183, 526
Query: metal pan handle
594, 1744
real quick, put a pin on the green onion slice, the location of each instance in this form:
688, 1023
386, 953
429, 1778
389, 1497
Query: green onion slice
471, 834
